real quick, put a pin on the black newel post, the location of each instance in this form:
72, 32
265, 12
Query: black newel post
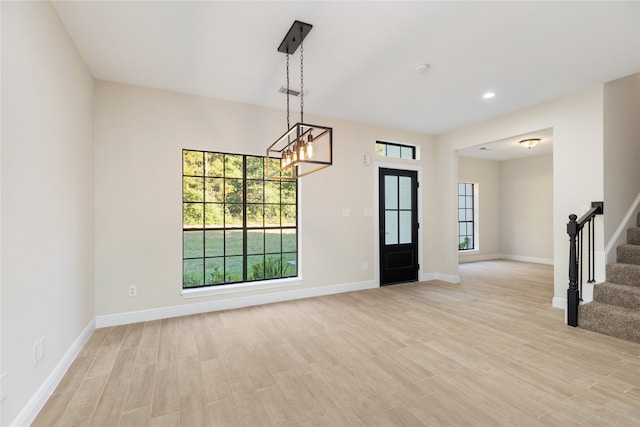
573, 295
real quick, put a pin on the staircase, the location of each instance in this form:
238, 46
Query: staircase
615, 309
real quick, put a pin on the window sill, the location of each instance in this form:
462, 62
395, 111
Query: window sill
240, 287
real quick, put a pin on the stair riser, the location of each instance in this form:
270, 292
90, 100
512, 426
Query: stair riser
623, 274
628, 254
622, 296
633, 236
611, 321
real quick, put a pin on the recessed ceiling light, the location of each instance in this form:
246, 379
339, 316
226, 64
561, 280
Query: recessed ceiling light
489, 95
422, 68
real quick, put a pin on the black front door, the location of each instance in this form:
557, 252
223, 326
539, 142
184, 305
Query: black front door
398, 226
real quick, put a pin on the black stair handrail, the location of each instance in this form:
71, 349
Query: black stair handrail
575, 229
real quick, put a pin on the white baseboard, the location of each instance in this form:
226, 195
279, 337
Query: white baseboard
226, 304
425, 277
38, 400
462, 258
559, 303
534, 260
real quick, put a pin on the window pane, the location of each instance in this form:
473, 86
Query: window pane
255, 190
289, 265
406, 152
289, 192
461, 189
233, 166
214, 271
390, 192
273, 266
192, 272
233, 269
214, 190
381, 149
393, 151
462, 229
233, 190
391, 228
273, 241
233, 242
469, 202
192, 162
255, 216
192, 244
255, 267
469, 189
405, 192
272, 192
288, 215
214, 214
192, 189
272, 215
469, 215
469, 229
214, 243
461, 203
255, 167
214, 164
274, 165
405, 227
233, 215
255, 242
192, 215
470, 243
461, 215
289, 240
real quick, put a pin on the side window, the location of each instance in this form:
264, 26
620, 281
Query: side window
466, 200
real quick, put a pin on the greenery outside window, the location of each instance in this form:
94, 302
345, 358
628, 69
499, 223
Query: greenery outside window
236, 225
466, 240
399, 151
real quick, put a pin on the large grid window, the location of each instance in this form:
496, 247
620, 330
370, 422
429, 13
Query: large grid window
237, 226
399, 151
466, 240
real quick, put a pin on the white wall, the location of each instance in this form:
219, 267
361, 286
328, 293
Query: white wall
139, 135
526, 208
621, 154
47, 198
486, 174
577, 122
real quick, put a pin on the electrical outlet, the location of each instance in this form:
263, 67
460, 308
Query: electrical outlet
133, 290
3, 386
37, 352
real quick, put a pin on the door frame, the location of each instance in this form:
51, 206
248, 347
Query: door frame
376, 215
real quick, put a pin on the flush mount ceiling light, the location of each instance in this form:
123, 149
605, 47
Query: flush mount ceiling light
303, 148
489, 95
422, 68
529, 143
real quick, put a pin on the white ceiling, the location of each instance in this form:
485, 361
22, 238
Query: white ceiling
510, 148
360, 57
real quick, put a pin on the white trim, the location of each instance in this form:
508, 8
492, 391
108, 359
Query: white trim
240, 287
471, 257
38, 400
622, 227
426, 277
558, 302
226, 304
534, 260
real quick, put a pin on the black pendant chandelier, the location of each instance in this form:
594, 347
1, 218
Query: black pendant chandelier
304, 148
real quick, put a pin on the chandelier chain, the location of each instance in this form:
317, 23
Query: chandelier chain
301, 78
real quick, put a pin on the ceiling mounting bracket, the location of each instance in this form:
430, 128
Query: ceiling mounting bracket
294, 37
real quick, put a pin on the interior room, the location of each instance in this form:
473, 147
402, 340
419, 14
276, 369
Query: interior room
126, 224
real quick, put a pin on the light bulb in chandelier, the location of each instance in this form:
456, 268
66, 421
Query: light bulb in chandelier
309, 147
301, 150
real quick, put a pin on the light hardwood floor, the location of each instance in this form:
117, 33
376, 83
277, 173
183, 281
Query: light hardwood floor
487, 352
